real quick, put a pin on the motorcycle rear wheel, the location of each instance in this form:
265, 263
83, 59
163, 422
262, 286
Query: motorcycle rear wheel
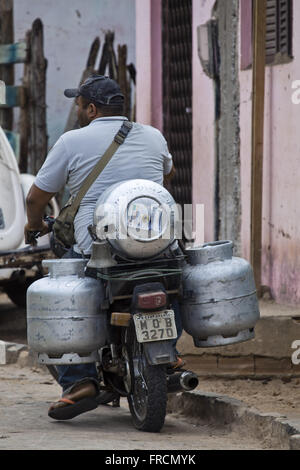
148, 397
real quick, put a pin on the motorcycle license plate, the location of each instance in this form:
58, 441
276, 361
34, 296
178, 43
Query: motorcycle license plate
156, 326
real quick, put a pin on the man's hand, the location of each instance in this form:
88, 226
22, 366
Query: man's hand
36, 203
169, 177
29, 232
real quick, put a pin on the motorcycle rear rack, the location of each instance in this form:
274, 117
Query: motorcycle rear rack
125, 297
122, 278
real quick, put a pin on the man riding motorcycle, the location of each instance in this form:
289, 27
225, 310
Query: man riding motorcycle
144, 154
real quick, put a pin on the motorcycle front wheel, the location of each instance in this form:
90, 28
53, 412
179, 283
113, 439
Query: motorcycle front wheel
148, 388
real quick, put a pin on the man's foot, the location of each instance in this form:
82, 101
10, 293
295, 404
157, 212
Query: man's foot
81, 399
178, 364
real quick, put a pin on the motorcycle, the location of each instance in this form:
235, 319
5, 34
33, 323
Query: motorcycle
120, 308
132, 340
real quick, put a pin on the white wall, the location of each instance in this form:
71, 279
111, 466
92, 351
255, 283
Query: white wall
70, 26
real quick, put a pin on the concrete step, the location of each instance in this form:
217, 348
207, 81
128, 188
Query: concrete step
223, 411
275, 350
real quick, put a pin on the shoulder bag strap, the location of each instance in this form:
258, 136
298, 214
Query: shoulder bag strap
99, 167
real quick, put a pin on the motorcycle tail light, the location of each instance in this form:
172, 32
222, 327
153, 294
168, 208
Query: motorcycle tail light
152, 300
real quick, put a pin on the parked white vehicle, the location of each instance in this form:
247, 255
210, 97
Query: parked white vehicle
20, 264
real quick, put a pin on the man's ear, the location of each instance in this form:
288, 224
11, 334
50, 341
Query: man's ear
92, 110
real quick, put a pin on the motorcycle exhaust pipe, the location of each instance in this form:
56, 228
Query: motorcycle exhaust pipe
182, 381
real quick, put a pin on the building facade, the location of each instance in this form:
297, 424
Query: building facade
221, 105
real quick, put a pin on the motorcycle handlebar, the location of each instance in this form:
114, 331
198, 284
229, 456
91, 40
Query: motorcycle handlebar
33, 235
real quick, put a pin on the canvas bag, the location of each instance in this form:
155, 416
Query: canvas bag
63, 227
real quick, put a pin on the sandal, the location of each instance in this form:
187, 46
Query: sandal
178, 364
80, 400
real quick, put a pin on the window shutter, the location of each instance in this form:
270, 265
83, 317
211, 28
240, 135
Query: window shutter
284, 26
279, 29
271, 33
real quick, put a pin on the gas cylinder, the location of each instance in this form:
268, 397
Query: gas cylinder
219, 305
65, 323
138, 218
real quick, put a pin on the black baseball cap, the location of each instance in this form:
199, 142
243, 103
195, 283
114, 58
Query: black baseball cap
99, 90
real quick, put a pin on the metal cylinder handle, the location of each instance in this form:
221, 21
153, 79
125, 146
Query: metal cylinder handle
209, 252
65, 267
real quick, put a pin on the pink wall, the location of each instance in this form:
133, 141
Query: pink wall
203, 127
143, 61
156, 69
149, 97
281, 193
148, 62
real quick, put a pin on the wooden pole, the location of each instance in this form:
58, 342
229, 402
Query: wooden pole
72, 122
104, 60
38, 139
113, 66
6, 71
24, 127
123, 79
258, 100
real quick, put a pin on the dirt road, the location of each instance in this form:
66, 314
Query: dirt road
26, 393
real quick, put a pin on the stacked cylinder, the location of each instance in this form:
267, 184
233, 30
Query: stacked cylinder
64, 311
219, 304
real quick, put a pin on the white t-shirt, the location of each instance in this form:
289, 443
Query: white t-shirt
144, 154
